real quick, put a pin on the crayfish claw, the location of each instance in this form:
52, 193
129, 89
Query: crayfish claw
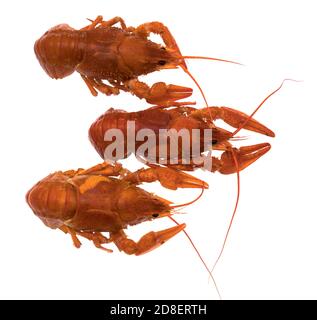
163, 94
148, 242
153, 239
160, 93
244, 155
237, 119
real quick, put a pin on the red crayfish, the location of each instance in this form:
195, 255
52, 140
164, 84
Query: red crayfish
101, 51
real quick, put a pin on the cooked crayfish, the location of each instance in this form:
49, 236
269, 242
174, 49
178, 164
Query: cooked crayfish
106, 198
180, 118
100, 52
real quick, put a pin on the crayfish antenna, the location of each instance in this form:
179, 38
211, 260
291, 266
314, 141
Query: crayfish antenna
188, 203
260, 105
201, 258
197, 84
210, 58
239, 138
192, 243
184, 67
234, 210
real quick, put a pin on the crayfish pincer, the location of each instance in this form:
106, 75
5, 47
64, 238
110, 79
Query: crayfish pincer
106, 198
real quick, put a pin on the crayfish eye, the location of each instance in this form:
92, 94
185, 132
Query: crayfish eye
162, 62
155, 215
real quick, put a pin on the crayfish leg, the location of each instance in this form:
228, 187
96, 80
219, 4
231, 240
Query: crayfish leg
113, 21
95, 85
72, 233
105, 169
90, 85
96, 237
93, 23
105, 24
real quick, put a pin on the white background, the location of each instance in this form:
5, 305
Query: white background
271, 251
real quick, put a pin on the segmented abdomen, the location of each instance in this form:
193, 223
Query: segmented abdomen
154, 119
53, 200
59, 50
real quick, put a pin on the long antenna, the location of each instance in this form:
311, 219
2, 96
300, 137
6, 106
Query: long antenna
184, 67
214, 59
192, 243
260, 105
188, 203
197, 84
200, 257
234, 211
